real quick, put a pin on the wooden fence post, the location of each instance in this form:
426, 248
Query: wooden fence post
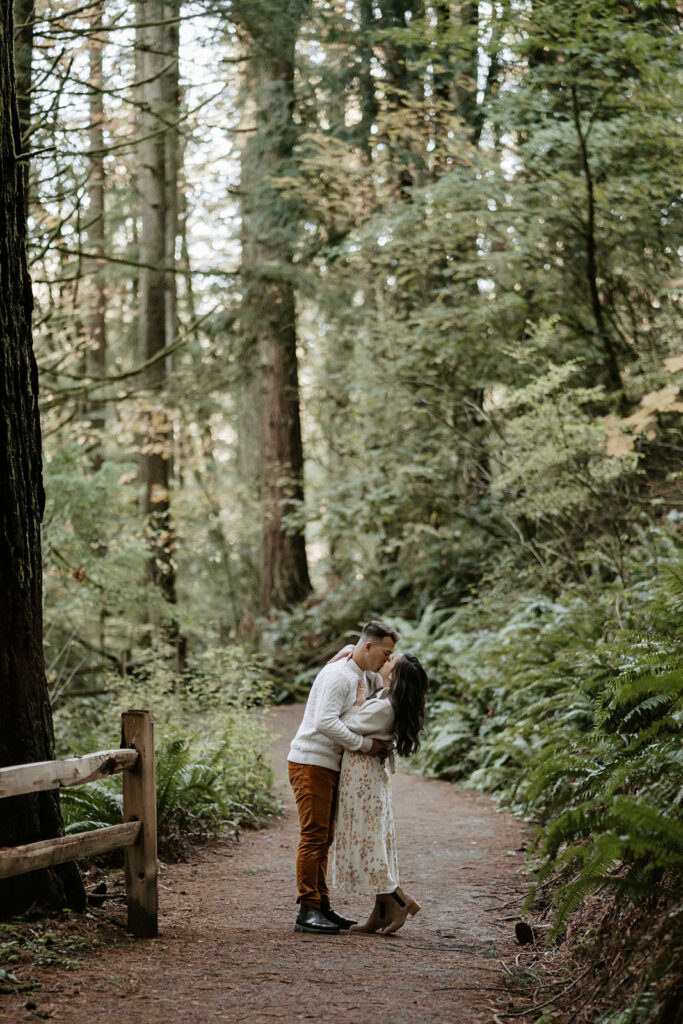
139, 804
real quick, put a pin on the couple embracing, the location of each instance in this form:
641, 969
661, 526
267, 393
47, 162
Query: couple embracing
364, 706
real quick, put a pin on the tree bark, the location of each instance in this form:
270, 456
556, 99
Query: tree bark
24, 19
170, 86
466, 69
157, 44
25, 714
96, 359
268, 308
366, 85
612, 371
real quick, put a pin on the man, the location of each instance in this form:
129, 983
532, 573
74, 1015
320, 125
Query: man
315, 761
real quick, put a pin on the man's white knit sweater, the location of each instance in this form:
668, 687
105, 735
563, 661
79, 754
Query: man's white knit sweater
322, 736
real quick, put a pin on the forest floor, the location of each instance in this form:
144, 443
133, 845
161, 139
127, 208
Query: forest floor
227, 950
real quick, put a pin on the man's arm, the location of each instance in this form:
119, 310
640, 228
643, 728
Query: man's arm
328, 712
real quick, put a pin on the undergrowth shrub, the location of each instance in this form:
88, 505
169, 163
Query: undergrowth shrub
571, 712
212, 768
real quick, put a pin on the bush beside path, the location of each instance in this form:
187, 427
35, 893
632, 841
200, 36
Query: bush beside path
227, 950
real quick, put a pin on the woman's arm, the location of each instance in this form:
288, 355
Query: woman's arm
344, 653
374, 718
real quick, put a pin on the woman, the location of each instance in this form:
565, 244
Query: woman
365, 857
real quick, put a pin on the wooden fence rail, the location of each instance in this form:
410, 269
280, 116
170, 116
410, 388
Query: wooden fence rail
137, 835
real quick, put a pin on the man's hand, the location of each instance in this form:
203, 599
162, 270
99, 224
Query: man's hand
379, 749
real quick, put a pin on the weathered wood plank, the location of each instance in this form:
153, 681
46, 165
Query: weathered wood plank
16, 860
139, 803
73, 771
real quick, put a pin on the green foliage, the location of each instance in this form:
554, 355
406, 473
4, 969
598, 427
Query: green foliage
97, 601
59, 942
39, 945
476, 332
96, 805
202, 787
454, 328
212, 767
295, 644
93, 559
209, 786
218, 679
575, 719
553, 455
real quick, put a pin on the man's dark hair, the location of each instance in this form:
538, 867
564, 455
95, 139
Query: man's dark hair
376, 630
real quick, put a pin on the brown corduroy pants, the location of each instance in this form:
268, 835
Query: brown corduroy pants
315, 792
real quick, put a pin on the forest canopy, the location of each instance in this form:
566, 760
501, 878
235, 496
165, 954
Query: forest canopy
264, 236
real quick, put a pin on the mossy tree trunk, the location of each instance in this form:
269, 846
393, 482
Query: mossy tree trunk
24, 18
157, 54
96, 360
25, 718
269, 222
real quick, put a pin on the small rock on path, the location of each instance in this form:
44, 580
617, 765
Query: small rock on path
228, 953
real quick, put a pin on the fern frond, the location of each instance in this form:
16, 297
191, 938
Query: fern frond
96, 805
605, 855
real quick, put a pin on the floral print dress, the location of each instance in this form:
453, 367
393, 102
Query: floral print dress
365, 858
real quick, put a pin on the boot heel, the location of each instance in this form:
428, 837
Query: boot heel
405, 900
402, 904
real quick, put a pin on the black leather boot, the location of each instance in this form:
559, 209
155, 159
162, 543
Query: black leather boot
311, 920
335, 918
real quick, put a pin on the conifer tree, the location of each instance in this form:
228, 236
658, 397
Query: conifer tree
269, 31
157, 46
26, 734
96, 359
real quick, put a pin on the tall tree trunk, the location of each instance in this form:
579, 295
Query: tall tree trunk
26, 733
157, 66
403, 63
366, 84
171, 112
24, 19
612, 370
268, 307
96, 358
171, 106
466, 68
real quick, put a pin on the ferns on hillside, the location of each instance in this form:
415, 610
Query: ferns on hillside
576, 725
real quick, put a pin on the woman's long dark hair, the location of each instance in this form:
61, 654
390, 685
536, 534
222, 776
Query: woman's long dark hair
408, 688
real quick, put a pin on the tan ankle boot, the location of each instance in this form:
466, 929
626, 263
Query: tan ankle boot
400, 905
379, 916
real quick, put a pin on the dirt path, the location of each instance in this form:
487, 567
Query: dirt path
227, 951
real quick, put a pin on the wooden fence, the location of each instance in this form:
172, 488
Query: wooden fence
137, 834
